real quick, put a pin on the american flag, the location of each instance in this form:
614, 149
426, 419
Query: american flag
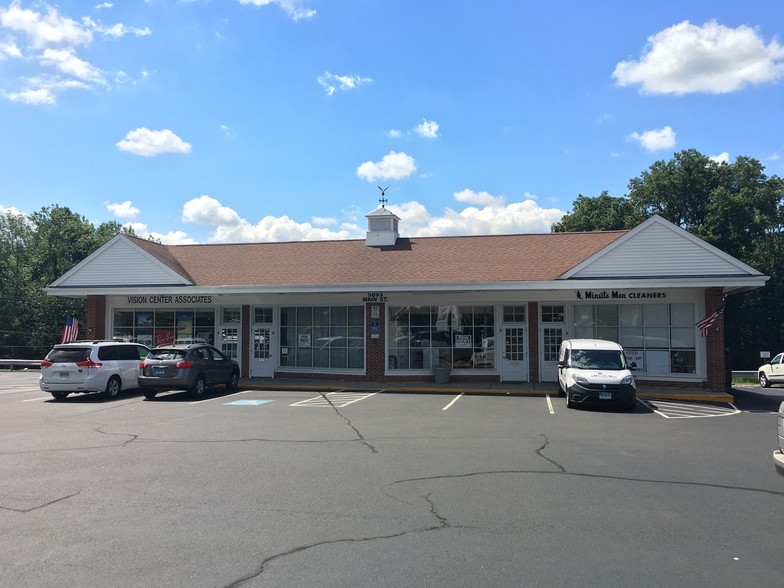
70, 329
705, 324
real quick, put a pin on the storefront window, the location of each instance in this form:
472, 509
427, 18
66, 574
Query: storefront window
164, 327
328, 337
421, 337
659, 338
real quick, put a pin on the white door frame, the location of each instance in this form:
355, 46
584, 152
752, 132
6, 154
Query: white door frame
513, 370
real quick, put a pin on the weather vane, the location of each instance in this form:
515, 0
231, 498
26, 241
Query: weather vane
383, 200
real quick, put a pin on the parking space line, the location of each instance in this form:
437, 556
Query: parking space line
42, 398
334, 399
455, 399
681, 410
549, 404
218, 397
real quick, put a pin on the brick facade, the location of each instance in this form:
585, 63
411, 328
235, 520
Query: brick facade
96, 318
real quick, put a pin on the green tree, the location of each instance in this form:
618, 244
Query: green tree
600, 213
733, 206
36, 250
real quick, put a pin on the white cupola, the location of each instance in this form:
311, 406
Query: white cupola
382, 228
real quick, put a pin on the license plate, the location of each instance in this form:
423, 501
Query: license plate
605, 395
159, 371
65, 374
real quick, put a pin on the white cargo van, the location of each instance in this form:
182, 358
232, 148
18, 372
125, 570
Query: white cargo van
593, 370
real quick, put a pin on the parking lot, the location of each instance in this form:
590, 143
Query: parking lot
370, 488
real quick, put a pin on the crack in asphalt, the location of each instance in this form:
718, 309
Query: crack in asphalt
40, 506
443, 523
360, 436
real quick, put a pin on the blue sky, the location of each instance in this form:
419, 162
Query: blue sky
277, 120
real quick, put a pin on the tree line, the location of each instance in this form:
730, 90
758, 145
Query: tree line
35, 250
733, 206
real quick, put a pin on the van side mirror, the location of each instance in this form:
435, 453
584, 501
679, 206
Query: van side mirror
561, 364
633, 366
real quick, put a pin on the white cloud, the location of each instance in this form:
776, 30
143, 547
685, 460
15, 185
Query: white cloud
655, 140
395, 134
205, 210
68, 63
292, 7
494, 217
712, 58
44, 30
147, 143
723, 157
324, 221
393, 166
50, 42
170, 238
103, 5
480, 198
774, 157
332, 83
11, 210
427, 129
124, 210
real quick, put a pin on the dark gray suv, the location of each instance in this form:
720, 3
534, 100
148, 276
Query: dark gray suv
191, 367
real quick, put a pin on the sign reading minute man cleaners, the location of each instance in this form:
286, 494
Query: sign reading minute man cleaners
617, 295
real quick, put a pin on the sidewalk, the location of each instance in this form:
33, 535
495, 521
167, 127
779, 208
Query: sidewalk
495, 388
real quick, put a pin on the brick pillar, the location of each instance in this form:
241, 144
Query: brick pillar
96, 319
714, 343
246, 338
375, 356
533, 341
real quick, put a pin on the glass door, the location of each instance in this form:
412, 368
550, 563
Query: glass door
514, 367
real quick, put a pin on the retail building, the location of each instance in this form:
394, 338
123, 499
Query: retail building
391, 309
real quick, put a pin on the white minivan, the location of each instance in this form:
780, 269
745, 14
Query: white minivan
593, 370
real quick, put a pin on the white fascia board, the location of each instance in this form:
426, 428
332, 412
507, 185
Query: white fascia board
728, 283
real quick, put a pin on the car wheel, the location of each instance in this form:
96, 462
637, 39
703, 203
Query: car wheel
233, 381
569, 403
113, 387
150, 394
560, 389
763, 380
197, 390
60, 395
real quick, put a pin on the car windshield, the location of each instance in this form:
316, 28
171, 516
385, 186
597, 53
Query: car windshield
166, 354
598, 359
68, 354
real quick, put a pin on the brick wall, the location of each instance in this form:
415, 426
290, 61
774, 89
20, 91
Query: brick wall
714, 343
96, 319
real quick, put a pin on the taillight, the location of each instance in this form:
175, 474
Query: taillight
88, 363
142, 365
46, 363
183, 364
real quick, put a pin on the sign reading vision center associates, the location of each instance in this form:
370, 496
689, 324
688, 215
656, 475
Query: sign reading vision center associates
619, 295
170, 299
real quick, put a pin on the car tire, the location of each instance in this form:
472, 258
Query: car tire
560, 388
197, 390
763, 380
113, 387
60, 395
150, 394
569, 403
234, 381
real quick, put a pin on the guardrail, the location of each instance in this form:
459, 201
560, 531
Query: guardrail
14, 364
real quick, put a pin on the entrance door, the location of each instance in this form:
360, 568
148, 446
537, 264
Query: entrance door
261, 363
514, 366
550, 345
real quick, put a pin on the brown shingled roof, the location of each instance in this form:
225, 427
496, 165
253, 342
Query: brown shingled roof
422, 260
